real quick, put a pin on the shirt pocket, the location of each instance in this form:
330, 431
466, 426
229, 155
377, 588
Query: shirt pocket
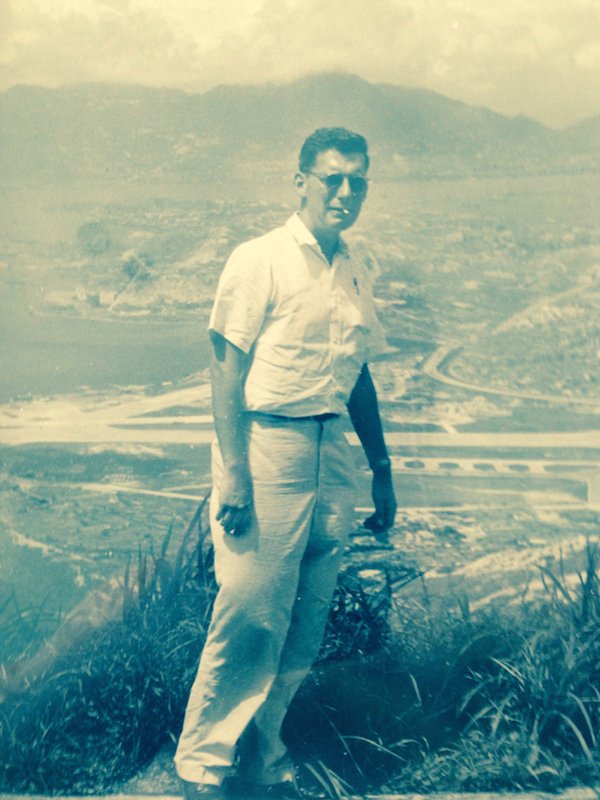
355, 329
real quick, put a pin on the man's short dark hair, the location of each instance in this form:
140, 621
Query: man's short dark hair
347, 142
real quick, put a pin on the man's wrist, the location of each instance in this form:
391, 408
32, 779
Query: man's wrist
381, 467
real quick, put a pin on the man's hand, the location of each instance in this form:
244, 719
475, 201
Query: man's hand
235, 494
384, 499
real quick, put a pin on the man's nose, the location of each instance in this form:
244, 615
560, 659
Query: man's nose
344, 190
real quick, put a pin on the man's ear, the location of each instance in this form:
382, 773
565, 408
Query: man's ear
300, 184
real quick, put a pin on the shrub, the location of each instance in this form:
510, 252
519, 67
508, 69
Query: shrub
504, 699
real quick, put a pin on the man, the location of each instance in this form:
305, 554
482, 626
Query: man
292, 329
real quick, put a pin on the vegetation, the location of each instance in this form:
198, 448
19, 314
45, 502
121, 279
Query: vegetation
410, 694
502, 699
100, 710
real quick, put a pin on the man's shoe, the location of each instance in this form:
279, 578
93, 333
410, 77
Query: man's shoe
240, 789
202, 791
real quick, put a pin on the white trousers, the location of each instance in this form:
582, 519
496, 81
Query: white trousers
275, 588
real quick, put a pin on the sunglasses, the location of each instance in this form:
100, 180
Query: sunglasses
358, 185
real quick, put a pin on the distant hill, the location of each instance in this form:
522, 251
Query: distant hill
97, 131
585, 136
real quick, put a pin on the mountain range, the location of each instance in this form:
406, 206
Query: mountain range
103, 132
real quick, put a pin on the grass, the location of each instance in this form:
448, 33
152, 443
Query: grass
410, 694
99, 711
505, 699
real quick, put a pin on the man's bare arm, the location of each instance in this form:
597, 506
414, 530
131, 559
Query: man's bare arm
364, 413
227, 371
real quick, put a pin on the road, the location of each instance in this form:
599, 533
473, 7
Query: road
444, 353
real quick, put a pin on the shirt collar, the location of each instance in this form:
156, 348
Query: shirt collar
303, 236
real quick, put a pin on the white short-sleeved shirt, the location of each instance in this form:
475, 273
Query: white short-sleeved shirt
307, 326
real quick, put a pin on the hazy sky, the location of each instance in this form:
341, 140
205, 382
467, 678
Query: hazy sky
534, 57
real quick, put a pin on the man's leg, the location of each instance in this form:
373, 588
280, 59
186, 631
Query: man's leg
258, 579
266, 760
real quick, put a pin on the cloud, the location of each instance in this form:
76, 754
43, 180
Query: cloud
588, 56
538, 57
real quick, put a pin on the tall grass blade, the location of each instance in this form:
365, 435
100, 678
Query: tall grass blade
580, 737
585, 715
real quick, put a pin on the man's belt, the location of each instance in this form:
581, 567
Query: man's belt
320, 417
315, 417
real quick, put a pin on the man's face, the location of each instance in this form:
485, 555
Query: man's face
332, 209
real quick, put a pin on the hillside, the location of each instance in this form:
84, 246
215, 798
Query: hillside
105, 132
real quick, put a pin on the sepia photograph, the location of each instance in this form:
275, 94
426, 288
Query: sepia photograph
300, 399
